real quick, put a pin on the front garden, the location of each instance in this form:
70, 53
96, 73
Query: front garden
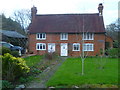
97, 73
19, 71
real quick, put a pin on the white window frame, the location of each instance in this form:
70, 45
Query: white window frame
39, 36
88, 47
64, 36
75, 44
88, 36
40, 44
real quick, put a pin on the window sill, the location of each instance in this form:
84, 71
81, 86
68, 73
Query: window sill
41, 49
88, 39
89, 51
76, 50
64, 39
41, 39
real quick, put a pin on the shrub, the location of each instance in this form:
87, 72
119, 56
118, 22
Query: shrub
50, 56
4, 50
115, 44
26, 79
35, 70
15, 53
114, 52
6, 84
13, 67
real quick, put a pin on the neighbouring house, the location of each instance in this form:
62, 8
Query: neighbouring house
13, 37
67, 34
108, 42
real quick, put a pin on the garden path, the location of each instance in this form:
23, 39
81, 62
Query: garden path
45, 75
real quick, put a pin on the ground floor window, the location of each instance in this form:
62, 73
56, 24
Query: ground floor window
76, 47
88, 47
40, 46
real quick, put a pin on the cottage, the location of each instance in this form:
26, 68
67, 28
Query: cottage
67, 34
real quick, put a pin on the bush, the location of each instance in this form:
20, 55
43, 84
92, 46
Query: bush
15, 53
13, 67
35, 70
115, 44
50, 56
114, 52
26, 79
4, 50
6, 84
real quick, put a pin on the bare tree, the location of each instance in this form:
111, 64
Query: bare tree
83, 54
23, 17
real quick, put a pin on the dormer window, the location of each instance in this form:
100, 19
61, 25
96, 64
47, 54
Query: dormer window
88, 36
64, 36
40, 36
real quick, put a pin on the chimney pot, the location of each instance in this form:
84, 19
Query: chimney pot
100, 9
33, 12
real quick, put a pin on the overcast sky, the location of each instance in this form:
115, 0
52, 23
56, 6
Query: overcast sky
110, 11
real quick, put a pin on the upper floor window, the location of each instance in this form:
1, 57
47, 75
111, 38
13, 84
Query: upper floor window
88, 36
76, 47
41, 36
64, 36
40, 46
88, 47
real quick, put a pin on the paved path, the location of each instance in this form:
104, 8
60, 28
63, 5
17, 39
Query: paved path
45, 76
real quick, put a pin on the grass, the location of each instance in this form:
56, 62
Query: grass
33, 60
96, 71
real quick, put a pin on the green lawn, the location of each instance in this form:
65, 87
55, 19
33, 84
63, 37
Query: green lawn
69, 73
33, 60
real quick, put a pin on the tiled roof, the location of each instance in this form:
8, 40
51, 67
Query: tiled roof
69, 23
12, 34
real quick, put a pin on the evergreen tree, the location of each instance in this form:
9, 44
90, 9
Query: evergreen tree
9, 24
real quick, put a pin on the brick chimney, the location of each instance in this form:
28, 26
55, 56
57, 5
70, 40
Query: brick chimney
100, 9
33, 12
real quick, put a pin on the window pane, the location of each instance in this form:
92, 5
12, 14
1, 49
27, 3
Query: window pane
40, 46
75, 47
87, 47
43, 35
38, 36
64, 36
84, 47
61, 35
43, 46
84, 36
90, 47
87, 35
90, 35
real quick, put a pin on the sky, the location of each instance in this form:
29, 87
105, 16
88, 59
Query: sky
110, 11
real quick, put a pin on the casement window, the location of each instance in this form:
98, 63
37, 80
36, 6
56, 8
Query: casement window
41, 36
40, 46
76, 47
88, 47
88, 36
64, 36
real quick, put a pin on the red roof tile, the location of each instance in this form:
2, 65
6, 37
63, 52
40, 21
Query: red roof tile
68, 23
